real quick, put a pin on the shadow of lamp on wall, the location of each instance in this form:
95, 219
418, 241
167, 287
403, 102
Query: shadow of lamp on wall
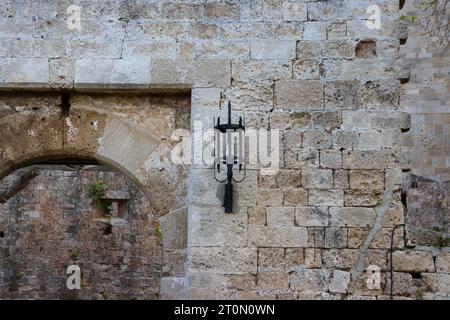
229, 151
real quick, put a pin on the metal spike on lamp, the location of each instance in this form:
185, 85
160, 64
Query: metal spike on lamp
228, 152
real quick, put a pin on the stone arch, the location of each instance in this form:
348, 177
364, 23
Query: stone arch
30, 134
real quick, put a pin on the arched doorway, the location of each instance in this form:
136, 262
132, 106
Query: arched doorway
77, 212
131, 135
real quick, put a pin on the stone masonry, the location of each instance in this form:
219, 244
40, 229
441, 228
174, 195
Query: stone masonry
315, 70
50, 221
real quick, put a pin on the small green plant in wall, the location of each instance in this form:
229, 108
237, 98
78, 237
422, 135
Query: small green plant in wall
159, 234
442, 239
74, 253
97, 191
418, 294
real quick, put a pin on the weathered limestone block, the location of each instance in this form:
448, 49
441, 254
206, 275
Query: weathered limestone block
149, 48
124, 144
340, 179
438, 282
240, 282
367, 179
254, 96
199, 73
204, 191
61, 72
443, 262
368, 159
314, 31
257, 216
259, 71
382, 239
282, 237
375, 119
381, 94
327, 119
298, 94
280, 216
295, 196
204, 279
319, 197
310, 280
356, 237
362, 198
273, 281
222, 11
85, 130
174, 262
320, 11
170, 180
271, 259
377, 257
337, 30
294, 11
295, 258
313, 258
352, 217
359, 69
267, 181
330, 158
181, 11
316, 237
317, 178
292, 139
213, 49
317, 138
306, 69
394, 214
413, 261
335, 237
20, 139
340, 49
403, 284
53, 132
269, 49
378, 139
246, 192
289, 178
271, 197
174, 229
309, 49
111, 72
24, 72
224, 260
209, 225
339, 281
343, 95
343, 259
298, 159
205, 101
311, 216
344, 139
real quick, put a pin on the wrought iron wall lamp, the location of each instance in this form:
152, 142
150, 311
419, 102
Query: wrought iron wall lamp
229, 150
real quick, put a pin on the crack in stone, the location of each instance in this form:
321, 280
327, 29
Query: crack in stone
380, 210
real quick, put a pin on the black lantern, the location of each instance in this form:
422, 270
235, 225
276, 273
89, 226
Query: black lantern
229, 150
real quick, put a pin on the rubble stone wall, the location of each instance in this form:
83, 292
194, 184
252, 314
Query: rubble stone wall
50, 220
312, 69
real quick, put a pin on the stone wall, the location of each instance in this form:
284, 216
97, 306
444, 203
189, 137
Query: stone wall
312, 69
49, 219
426, 96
